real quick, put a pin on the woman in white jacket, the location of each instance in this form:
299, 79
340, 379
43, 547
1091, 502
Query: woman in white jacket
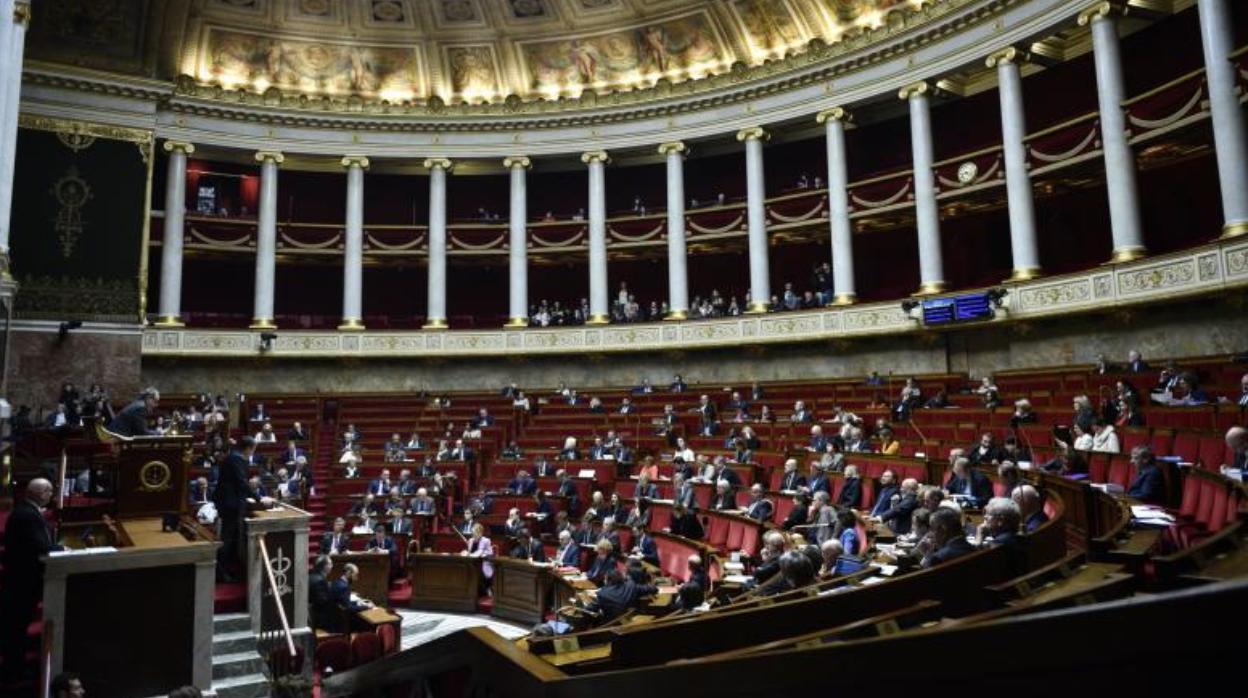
1104, 439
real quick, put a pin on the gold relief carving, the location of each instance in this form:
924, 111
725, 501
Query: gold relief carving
1157, 278
1207, 266
833, 114
154, 476
876, 319
753, 133
631, 336
1237, 261
711, 331
1056, 295
74, 128
75, 141
794, 326
595, 156
72, 193
915, 89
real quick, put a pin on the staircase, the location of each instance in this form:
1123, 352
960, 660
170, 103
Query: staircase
237, 668
321, 454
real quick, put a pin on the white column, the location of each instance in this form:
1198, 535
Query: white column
353, 246
1124, 206
170, 312
927, 216
13, 20
1229, 139
599, 309
1017, 180
266, 241
756, 218
518, 241
677, 256
833, 121
435, 316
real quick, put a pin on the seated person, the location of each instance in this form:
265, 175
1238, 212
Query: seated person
725, 498
760, 508
796, 571
884, 493
513, 525
619, 595
569, 553
422, 504
799, 514
399, 524
324, 612
689, 597
381, 485
414, 442
604, 561
340, 591
685, 523
1002, 518
948, 537
1149, 484
769, 557
335, 541
851, 491
522, 484
791, 480
889, 445
381, 541
393, 450
1010, 477
985, 452
639, 515
406, 485
570, 451
969, 483
366, 507
266, 435
645, 489
1031, 507
898, 515
644, 546
526, 548
847, 523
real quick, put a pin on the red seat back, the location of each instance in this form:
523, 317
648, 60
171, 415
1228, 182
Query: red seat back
1217, 517
333, 654
389, 638
1119, 471
365, 647
1133, 436
1211, 449
1191, 497
736, 531
1186, 446
1204, 507
1162, 442
750, 538
716, 531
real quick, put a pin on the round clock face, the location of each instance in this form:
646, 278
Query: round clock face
154, 476
967, 172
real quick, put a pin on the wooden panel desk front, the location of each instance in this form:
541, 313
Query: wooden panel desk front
374, 580
521, 590
444, 582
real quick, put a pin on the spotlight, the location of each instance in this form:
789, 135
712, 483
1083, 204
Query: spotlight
63, 331
266, 341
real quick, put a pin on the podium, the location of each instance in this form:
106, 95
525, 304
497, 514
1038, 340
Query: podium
282, 534
444, 582
521, 590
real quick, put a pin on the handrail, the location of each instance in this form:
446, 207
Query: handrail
277, 598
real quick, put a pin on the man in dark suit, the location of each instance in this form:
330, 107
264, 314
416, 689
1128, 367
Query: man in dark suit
851, 491
340, 593
604, 561
898, 516
230, 498
1237, 441
523, 484
683, 492
948, 538
422, 504
380, 486
725, 498
884, 498
620, 595
1149, 484
399, 524
462, 452
819, 480
133, 419
678, 384
335, 541
644, 546
627, 407
569, 553
1030, 506
685, 523
791, 480
528, 549
969, 483
292, 453
985, 452
324, 613
1135, 362
1002, 518
760, 508
382, 542
27, 538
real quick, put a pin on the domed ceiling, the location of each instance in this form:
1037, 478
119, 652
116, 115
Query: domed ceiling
452, 51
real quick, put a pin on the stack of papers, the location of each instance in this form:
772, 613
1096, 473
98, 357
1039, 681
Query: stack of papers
737, 578
1150, 516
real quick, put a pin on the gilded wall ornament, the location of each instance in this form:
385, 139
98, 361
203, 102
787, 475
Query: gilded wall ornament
72, 193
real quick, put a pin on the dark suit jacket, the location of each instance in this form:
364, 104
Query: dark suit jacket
340, 593
649, 550
535, 552
569, 556
613, 601
883, 500
898, 516
760, 510
1035, 521
131, 421
792, 481
851, 493
599, 568
820, 483
687, 526
980, 486
386, 544
978, 457
526, 487
327, 541
27, 537
955, 548
321, 605
796, 517
725, 502
232, 488
1149, 485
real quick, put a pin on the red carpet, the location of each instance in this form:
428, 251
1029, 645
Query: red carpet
230, 598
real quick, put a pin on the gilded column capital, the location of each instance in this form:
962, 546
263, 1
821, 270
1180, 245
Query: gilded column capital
834, 114
517, 161
915, 89
438, 163
595, 156
753, 133
21, 13
183, 146
355, 161
1009, 54
673, 147
1100, 10
270, 155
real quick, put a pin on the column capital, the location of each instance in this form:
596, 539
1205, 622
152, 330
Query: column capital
595, 156
1009, 54
273, 155
753, 133
187, 148
517, 161
438, 163
355, 161
834, 114
1100, 10
915, 89
673, 147
21, 13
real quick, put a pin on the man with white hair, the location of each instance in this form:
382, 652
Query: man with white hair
133, 419
569, 554
1237, 441
773, 548
1242, 398
1002, 518
968, 482
899, 515
725, 499
818, 443
760, 508
850, 496
27, 538
791, 480
1030, 506
822, 518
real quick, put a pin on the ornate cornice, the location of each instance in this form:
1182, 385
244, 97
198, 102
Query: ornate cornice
517, 161
595, 156
438, 163
355, 161
834, 114
84, 128
271, 155
1209, 270
187, 148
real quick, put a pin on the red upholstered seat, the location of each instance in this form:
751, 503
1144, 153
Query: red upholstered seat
716, 528
660, 518
750, 538
736, 531
1134, 436
1211, 451
1098, 466
365, 647
1186, 446
333, 654
1119, 470
1162, 442
1191, 497
389, 638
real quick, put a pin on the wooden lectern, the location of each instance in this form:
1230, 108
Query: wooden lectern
522, 590
442, 582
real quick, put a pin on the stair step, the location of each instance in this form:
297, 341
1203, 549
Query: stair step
237, 664
230, 623
233, 642
245, 686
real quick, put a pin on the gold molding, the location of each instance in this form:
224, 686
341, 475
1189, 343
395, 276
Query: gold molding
677, 316
438, 163
357, 160
595, 156
931, 288
1009, 54
435, 323
673, 147
834, 114
516, 323
844, 299
1025, 274
146, 233
517, 161
169, 321
182, 146
84, 128
262, 323
914, 89
756, 308
1234, 230
21, 13
757, 133
1099, 10
1128, 254
273, 155
351, 324
598, 319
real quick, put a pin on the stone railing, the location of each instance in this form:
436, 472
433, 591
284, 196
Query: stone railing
1209, 269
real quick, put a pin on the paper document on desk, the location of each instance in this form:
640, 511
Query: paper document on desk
82, 551
587, 472
737, 578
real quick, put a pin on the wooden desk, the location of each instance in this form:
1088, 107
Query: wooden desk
445, 582
522, 590
374, 580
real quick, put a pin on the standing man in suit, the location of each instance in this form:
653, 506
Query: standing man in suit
322, 610
133, 419
230, 498
27, 538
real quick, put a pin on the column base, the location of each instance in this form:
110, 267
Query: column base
435, 323
351, 324
930, 288
1128, 254
1025, 274
1233, 229
676, 316
843, 299
168, 321
262, 323
599, 319
757, 308
516, 323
